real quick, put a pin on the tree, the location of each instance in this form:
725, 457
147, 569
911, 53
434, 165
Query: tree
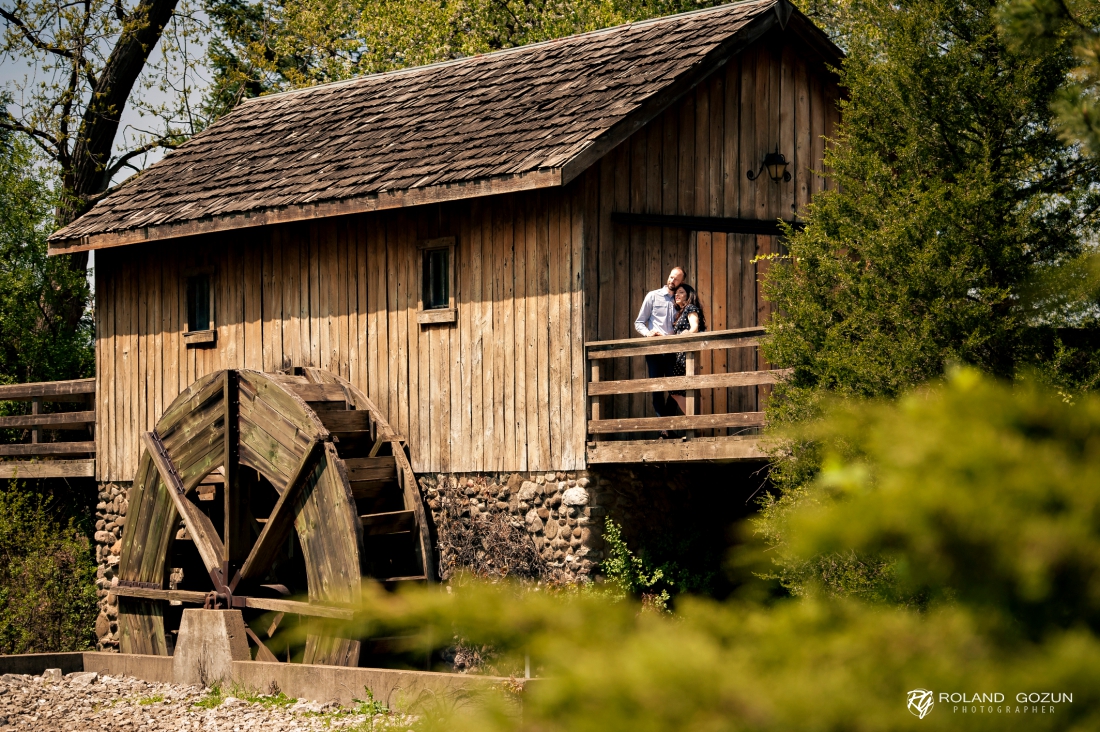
87, 59
37, 340
1037, 26
279, 44
954, 197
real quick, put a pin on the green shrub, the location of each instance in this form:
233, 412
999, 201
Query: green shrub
47, 577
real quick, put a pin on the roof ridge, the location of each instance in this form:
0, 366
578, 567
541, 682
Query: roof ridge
503, 51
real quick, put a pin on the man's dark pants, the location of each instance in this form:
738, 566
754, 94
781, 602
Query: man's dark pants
659, 366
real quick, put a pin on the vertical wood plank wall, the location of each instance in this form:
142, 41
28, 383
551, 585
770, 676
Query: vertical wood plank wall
537, 274
692, 161
501, 389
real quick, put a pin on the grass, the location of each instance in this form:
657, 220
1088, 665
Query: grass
216, 695
147, 700
213, 698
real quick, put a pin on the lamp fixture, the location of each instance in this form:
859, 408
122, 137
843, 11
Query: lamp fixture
776, 165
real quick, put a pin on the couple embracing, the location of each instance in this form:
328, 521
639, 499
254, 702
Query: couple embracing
672, 310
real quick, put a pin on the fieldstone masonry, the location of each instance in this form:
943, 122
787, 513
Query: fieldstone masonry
561, 512
110, 519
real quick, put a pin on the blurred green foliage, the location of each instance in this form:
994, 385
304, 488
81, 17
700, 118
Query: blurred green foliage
978, 499
47, 577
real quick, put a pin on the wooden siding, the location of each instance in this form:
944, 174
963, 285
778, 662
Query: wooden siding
538, 273
501, 389
692, 161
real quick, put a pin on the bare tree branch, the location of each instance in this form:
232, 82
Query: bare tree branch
33, 39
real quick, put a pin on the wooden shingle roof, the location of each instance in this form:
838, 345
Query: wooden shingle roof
523, 118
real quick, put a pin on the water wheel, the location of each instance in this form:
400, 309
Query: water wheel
255, 488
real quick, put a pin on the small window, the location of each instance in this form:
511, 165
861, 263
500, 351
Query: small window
437, 281
200, 309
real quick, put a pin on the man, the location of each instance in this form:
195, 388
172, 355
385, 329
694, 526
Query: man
655, 319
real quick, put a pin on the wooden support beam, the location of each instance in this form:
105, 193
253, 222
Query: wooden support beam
280, 521
48, 448
376, 468
47, 469
199, 526
258, 603
76, 390
671, 344
58, 421
237, 530
392, 522
697, 422
145, 593
294, 606
701, 381
262, 651
767, 227
672, 451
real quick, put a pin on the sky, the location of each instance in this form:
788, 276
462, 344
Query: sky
16, 70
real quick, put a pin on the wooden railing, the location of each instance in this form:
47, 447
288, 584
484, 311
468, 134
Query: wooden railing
597, 353
40, 457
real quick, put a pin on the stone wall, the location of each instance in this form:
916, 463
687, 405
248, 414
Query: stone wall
559, 514
110, 518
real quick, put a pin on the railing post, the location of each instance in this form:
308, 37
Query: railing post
689, 394
36, 407
595, 365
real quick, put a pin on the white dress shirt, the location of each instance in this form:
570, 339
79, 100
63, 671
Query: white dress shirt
657, 313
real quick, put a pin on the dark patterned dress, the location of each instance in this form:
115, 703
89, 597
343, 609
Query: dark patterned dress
679, 365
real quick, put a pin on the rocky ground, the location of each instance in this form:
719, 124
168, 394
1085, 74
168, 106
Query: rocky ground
87, 701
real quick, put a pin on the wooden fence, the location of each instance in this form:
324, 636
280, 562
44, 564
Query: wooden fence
44, 454
597, 352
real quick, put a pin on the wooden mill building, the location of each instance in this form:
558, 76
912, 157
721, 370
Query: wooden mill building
463, 246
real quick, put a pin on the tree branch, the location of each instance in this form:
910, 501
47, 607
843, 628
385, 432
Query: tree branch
123, 161
44, 141
32, 38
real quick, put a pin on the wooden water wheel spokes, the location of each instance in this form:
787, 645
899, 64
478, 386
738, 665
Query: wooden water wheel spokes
316, 493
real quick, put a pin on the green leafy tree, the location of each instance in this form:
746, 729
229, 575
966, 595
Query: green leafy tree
38, 341
273, 45
955, 197
47, 577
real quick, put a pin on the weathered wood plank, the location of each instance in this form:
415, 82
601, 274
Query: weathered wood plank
206, 539
47, 469
697, 422
393, 522
49, 448
281, 519
74, 390
670, 451
701, 381
57, 421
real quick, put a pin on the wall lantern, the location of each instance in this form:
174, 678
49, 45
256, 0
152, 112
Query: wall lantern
776, 165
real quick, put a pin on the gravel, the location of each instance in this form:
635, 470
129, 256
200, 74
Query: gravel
88, 701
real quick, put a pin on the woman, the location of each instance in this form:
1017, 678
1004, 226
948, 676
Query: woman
689, 319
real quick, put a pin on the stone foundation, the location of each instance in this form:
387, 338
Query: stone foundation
110, 518
559, 514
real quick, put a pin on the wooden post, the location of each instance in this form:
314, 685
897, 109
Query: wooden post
690, 394
595, 400
237, 492
36, 408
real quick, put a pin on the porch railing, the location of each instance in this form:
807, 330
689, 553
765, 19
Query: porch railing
57, 443
598, 353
